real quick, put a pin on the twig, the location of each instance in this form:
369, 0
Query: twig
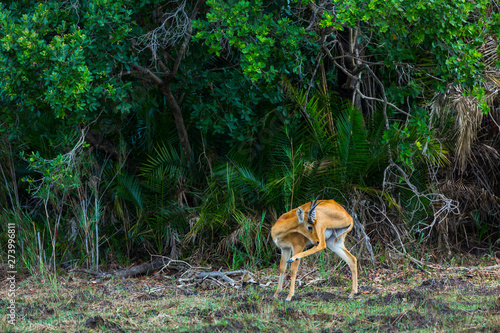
419, 263
216, 281
313, 271
304, 108
314, 281
383, 101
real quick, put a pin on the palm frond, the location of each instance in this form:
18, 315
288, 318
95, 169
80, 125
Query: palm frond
167, 161
491, 55
241, 180
468, 114
129, 188
353, 147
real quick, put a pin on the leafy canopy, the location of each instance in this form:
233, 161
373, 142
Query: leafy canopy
50, 62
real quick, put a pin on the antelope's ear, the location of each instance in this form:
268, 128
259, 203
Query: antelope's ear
300, 215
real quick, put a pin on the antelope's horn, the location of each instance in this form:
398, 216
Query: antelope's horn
312, 212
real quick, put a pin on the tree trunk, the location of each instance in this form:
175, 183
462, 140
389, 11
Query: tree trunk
164, 83
443, 239
178, 118
350, 76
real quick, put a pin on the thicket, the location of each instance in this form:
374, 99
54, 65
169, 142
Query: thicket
185, 128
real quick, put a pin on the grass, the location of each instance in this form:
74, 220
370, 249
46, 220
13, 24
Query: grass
390, 300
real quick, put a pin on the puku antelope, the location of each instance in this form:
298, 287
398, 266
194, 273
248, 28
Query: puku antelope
327, 225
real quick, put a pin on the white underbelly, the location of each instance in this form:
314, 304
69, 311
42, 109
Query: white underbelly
328, 233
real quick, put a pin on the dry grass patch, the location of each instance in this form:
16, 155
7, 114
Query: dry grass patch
390, 300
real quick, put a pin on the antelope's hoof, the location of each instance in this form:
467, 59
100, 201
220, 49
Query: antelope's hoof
291, 260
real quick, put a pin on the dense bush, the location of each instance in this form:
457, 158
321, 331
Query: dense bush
185, 128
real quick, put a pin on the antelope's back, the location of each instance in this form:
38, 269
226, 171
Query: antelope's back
331, 212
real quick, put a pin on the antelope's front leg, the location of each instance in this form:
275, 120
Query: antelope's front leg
294, 267
320, 245
285, 255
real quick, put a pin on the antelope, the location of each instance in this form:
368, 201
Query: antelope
327, 225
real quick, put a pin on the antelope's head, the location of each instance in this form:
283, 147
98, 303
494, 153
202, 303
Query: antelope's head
311, 214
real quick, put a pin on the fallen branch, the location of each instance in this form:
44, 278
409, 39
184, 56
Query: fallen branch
255, 283
223, 276
145, 269
468, 269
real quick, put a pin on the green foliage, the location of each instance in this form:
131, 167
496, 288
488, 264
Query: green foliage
60, 60
353, 146
252, 245
441, 38
57, 174
270, 121
223, 104
165, 177
415, 143
268, 45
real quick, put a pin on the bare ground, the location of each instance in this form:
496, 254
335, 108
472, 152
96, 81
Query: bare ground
390, 300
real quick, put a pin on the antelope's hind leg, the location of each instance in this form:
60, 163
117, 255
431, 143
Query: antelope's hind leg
339, 248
